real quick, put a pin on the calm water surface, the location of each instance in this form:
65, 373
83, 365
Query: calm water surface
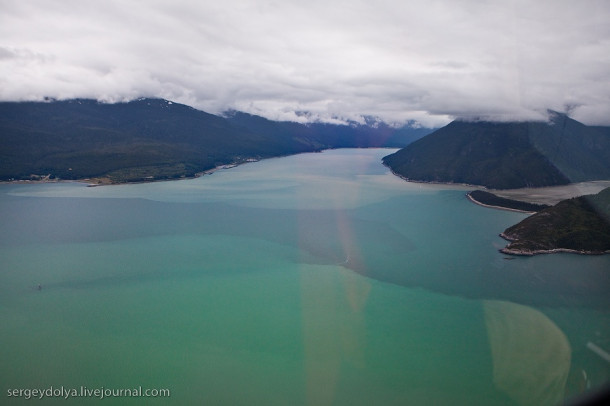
314, 279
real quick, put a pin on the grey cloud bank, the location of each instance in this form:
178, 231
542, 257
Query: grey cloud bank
428, 61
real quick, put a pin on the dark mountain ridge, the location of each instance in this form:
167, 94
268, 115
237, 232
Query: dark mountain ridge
507, 155
156, 139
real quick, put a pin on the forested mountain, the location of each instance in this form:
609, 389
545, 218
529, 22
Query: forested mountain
508, 155
155, 138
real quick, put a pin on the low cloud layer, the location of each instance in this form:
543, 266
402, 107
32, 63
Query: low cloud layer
429, 61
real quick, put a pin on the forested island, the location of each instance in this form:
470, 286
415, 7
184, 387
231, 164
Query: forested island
580, 225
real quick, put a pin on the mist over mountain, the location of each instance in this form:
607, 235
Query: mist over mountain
373, 133
156, 138
505, 155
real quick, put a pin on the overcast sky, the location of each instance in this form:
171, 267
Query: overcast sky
430, 60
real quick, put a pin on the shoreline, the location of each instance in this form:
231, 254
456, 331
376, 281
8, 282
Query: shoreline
152, 180
38, 181
430, 182
106, 181
548, 195
473, 200
552, 195
530, 253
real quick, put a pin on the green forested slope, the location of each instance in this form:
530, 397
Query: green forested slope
507, 155
145, 138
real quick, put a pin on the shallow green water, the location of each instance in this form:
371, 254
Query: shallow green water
311, 279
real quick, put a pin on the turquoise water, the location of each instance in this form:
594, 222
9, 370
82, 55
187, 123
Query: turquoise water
312, 279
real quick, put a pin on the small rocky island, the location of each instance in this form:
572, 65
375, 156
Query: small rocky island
579, 225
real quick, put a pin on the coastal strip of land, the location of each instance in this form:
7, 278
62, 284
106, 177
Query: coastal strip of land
487, 199
531, 252
110, 180
579, 225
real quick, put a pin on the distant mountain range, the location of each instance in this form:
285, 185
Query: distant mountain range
157, 139
508, 155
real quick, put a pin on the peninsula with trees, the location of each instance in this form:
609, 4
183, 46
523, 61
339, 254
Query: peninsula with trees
512, 155
578, 225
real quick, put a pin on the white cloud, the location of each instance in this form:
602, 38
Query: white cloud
427, 60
